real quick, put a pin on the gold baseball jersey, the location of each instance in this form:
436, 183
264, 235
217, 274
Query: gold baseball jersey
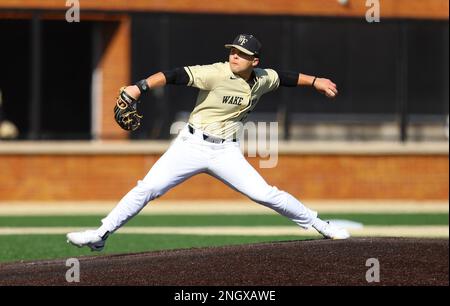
225, 99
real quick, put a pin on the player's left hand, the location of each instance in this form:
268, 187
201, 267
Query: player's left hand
133, 91
326, 87
125, 111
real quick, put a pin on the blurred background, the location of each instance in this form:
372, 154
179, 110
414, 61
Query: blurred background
59, 78
385, 138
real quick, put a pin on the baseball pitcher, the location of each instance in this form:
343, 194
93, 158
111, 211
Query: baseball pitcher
228, 92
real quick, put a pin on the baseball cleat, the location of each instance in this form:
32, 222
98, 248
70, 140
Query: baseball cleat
89, 238
331, 231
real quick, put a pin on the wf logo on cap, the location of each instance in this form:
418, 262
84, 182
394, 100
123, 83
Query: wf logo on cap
247, 44
242, 40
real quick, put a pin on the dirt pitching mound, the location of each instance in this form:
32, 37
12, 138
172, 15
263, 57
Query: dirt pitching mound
313, 262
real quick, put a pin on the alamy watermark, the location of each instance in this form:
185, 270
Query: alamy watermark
373, 13
73, 11
373, 274
261, 138
73, 273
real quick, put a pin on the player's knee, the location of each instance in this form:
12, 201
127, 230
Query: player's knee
149, 191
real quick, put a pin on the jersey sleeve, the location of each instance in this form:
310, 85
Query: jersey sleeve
273, 80
202, 76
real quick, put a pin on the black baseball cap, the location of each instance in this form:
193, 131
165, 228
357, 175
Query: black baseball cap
246, 43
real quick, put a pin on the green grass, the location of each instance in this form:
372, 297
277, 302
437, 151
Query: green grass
32, 247
221, 220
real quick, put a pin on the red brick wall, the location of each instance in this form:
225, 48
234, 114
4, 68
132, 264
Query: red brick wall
389, 8
109, 177
115, 67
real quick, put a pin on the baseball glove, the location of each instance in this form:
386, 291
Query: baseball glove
125, 111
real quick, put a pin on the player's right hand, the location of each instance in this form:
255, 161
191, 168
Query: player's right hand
327, 87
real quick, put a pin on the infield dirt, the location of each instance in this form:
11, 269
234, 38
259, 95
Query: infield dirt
402, 261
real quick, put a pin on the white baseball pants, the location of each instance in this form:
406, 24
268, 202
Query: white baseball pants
189, 155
